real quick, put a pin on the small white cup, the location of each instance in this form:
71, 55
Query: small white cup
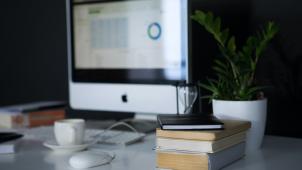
69, 131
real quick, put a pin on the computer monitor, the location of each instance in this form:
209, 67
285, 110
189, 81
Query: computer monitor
127, 55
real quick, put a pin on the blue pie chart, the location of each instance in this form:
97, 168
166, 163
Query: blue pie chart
154, 31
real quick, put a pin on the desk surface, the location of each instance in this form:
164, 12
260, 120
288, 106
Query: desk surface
277, 153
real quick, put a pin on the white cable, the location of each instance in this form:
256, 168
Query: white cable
121, 123
98, 136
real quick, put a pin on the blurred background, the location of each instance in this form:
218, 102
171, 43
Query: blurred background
33, 54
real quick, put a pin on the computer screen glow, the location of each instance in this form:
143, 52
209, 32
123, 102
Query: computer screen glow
135, 34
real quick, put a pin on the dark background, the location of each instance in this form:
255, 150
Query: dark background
33, 62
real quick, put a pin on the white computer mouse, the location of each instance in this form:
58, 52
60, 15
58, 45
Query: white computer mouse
88, 159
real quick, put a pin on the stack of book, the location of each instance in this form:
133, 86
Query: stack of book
32, 114
8, 142
201, 149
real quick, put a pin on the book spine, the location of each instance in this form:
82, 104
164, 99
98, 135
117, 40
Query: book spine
227, 156
8, 120
44, 117
31, 119
7, 148
184, 145
231, 127
199, 161
181, 161
190, 135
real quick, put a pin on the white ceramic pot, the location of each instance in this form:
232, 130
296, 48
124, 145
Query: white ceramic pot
254, 111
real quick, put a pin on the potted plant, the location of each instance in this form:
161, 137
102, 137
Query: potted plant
234, 93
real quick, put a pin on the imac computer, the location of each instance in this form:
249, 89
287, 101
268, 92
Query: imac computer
127, 55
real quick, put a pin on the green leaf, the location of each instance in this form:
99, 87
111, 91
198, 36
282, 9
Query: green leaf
221, 73
232, 45
208, 87
209, 19
253, 65
199, 16
224, 35
206, 96
235, 72
247, 50
217, 24
221, 64
253, 90
251, 42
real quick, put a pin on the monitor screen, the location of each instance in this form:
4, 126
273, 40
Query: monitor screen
130, 41
127, 55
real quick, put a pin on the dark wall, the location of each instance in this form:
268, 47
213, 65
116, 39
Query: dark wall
33, 53
281, 66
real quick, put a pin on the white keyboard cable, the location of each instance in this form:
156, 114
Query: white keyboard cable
100, 138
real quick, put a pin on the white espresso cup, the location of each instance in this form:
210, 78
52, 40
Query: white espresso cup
69, 131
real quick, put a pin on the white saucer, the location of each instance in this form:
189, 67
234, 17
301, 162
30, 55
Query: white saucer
66, 148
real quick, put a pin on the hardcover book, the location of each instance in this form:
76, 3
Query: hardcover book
31, 114
8, 142
231, 127
199, 145
189, 122
199, 161
8, 147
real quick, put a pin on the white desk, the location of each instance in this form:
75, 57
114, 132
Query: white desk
278, 153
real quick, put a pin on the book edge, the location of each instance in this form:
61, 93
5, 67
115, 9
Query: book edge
200, 135
201, 145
